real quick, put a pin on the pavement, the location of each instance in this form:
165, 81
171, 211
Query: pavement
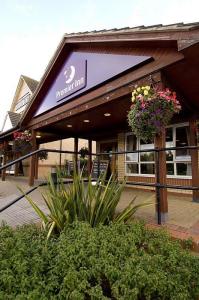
21, 212
182, 211
183, 214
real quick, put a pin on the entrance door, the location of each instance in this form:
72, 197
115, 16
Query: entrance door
110, 147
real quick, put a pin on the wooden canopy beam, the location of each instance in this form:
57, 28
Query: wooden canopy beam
32, 159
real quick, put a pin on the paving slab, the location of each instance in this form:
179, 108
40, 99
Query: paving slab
21, 212
183, 213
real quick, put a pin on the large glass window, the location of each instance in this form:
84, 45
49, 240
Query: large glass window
182, 139
139, 163
131, 145
178, 162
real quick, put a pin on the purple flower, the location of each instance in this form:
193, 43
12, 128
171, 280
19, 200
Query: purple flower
158, 111
157, 123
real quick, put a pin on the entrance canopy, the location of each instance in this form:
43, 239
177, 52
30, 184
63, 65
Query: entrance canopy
86, 89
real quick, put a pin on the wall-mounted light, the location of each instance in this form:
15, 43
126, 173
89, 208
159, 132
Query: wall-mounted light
86, 121
69, 125
38, 136
107, 114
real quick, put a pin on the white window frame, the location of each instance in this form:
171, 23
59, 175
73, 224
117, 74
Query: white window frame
22, 102
183, 159
136, 161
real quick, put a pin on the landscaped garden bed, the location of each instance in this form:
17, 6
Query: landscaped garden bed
85, 250
119, 261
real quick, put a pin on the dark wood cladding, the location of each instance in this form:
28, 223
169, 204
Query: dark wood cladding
109, 91
184, 78
122, 47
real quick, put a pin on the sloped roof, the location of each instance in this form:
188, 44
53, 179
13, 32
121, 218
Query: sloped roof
159, 27
185, 35
14, 118
10, 123
32, 83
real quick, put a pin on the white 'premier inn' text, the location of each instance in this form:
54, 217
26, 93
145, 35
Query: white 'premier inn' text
70, 87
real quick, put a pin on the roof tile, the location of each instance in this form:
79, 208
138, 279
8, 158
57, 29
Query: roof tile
142, 28
32, 83
14, 118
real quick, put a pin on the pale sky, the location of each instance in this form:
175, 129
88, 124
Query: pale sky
30, 30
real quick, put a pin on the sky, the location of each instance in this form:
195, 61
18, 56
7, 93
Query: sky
30, 30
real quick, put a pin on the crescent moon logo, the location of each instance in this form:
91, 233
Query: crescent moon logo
69, 74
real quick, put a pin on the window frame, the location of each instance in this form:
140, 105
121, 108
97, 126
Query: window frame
173, 162
25, 99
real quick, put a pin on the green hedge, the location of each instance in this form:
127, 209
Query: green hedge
107, 262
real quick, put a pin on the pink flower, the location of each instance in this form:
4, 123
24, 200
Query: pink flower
140, 97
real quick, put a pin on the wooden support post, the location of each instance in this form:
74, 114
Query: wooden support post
89, 156
3, 175
76, 155
16, 167
161, 163
36, 163
60, 154
194, 159
32, 160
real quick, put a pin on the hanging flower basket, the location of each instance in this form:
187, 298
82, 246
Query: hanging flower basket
22, 147
151, 111
84, 152
43, 155
22, 142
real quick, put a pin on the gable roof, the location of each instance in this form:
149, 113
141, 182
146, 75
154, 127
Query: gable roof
11, 121
14, 118
184, 35
32, 83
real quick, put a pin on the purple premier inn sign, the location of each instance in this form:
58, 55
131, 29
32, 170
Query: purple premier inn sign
71, 79
83, 71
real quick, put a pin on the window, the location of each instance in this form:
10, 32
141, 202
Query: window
139, 163
22, 102
178, 162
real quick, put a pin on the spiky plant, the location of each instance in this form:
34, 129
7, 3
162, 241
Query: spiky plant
83, 201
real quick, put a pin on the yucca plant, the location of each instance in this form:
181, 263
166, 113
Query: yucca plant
83, 201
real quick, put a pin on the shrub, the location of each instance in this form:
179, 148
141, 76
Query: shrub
95, 204
106, 262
